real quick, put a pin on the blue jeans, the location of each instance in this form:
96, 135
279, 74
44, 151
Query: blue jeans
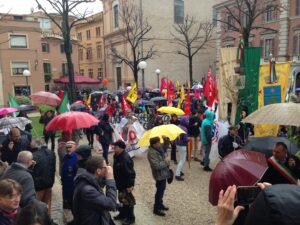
160, 190
182, 153
206, 150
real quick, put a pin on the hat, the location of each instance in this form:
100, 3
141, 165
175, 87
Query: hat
70, 144
171, 176
84, 151
120, 144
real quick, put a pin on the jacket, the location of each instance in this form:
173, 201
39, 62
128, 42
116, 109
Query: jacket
22, 175
68, 173
182, 140
159, 166
276, 205
193, 130
91, 205
124, 173
10, 156
105, 131
43, 172
45, 120
207, 127
225, 144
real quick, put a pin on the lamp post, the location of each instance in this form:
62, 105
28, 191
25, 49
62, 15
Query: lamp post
157, 71
142, 65
27, 73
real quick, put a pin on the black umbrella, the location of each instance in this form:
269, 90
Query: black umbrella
266, 144
26, 108
144, 102
158, 99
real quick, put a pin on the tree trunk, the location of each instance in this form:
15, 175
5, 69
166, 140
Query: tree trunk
191, 69
135, 73
246, 36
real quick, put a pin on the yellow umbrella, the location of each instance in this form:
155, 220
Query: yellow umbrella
170, 130
171, 110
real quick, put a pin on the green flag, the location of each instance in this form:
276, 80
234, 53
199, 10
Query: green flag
13, 103
64, 104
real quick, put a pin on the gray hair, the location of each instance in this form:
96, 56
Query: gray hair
24, 157
37, 143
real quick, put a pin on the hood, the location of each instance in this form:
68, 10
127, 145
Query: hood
209, 115
85, 176
184, 121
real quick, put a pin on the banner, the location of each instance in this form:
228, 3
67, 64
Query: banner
270, 93
132, 95
135, 132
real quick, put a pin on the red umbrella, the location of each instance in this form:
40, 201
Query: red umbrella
72, 120
241, 167
5, 111
78, 102
46, 98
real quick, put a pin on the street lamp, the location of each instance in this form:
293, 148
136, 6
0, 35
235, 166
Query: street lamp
142, 65
157, 71
27, 73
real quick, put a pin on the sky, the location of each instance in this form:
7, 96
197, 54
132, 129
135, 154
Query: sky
24, 6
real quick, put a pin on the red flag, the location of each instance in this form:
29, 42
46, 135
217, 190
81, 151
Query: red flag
125, 106
163, 84
208, 89
60, 94
100, 102
187, 107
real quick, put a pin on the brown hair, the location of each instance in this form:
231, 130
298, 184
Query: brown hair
7, 186
94, 163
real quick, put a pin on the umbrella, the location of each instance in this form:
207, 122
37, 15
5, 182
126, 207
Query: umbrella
46, 98
171, 110
279, 113
197, 86
45, 108
266, 144
155, 90
10, 122
75, 107
8, 110
170, 130
144, 102
26, 108
78, 102
241, 167
158, 99
72, 120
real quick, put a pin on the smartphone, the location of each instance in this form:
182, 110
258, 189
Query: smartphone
247, 194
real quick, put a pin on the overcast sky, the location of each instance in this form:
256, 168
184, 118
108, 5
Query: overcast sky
24, 6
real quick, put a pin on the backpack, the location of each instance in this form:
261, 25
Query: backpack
221, 148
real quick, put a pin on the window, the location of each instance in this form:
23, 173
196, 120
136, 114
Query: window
99, 51
45, 47
65, 69
81, 54
19, 67
79, 36
18, 18
47, 68
230, 23
116, 16
270, 13
268, 47
296, 45
178, 11
100, 73
22, 90
91, 73
89, 53
98, 32
297, 7
81, 72
88, 34
18, 41
245, 18
45, 23
215, 17
62, 48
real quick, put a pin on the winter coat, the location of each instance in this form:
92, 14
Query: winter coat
207, 127
10, 156
193, 130
43, 172
22, 175
225, 144
105, 131
68, 173
124, 173
45, 120
182, 140
159, 166
91, 205
276, 205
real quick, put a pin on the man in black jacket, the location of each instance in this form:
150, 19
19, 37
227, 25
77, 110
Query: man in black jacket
124, 175
91, 205
105, 131
194, 132
43, 172
229, 142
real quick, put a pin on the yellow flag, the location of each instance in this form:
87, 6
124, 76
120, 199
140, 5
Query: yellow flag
177, 86
181, 97
88, 102
132, 95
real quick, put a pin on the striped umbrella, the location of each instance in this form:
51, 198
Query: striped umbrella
10, 122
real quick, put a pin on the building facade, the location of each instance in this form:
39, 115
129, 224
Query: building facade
283, 41
32, 42
162, 19
91, 49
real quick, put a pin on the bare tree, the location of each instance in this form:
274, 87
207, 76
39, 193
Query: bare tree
134, 33
244, 15
67, 9
192, 36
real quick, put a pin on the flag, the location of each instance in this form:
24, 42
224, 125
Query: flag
181, 97
209, 89
125, 106
132, 95
177, 86
240, 50
291, 87
13, 103
60, 94
187, 107
100, 102
163, 85
273, 76
89, 100
64, 105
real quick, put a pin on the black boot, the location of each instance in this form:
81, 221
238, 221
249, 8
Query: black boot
122, 214
130, 216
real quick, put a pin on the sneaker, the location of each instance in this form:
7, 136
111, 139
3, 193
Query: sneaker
159, 213
128, 222
181, 174
207, 168
201, 163
179, 178
165, 208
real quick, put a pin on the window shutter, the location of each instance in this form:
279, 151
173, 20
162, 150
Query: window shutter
262, 48
295, 43
274, 47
